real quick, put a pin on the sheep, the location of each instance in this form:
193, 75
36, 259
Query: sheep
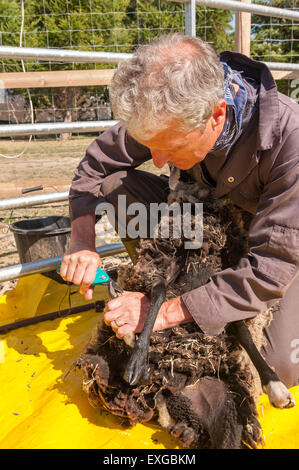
159, 379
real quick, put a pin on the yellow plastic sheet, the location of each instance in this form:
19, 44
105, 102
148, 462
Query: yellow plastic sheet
40, 410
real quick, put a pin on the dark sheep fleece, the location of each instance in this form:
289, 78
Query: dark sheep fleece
180, 357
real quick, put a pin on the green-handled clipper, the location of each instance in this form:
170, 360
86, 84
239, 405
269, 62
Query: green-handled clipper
103, 279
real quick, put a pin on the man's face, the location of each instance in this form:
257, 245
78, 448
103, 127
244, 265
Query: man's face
185, 150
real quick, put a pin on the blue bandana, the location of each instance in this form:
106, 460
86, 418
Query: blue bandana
235, 106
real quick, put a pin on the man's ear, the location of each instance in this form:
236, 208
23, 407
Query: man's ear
219, 114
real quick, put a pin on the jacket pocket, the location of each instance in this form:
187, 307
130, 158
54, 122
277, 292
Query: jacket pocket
281, 260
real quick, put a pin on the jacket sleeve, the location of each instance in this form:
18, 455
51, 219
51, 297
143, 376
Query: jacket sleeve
112, 151
261, 278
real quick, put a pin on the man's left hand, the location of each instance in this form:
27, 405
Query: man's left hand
128, 312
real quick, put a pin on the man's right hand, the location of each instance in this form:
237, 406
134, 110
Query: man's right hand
80, 263
80, 268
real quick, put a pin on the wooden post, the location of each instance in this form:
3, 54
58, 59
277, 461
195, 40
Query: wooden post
242, 31
68, 117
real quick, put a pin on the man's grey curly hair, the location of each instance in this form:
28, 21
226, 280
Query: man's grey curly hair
175, 77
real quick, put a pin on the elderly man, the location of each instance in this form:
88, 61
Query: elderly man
222, 121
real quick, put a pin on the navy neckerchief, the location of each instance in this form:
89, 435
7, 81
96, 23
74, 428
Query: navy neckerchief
235, 104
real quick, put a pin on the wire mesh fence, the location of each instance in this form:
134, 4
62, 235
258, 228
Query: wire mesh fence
116, 26
276, 39
101, 26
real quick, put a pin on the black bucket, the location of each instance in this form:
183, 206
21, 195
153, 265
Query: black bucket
41, 237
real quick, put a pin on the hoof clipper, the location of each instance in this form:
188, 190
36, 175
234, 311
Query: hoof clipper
102, 278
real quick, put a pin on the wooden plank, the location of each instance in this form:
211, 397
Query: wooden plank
74, 78
284, 74
242, 31
63, 78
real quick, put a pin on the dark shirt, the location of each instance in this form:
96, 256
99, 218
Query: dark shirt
259, 173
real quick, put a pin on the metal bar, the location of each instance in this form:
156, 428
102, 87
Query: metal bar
99, 306
190, 18
33, 188
263, 10
45, 128
282, 66
62, 55
50, 264
37, 199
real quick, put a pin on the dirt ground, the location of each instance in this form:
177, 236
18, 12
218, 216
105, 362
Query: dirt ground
50, 163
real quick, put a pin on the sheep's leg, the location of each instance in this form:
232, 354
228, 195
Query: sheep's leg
137, 365
277, 392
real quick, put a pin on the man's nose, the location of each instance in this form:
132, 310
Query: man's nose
160, 158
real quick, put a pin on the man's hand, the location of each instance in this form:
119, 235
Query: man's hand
79, 264
128, 313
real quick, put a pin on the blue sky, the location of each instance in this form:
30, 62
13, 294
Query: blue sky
232, 23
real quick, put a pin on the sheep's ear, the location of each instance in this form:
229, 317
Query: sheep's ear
174, 176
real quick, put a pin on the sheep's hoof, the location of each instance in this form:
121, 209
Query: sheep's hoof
129, 339
137, 368
279, 395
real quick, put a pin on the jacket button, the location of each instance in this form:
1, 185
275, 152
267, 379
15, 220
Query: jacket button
230, 179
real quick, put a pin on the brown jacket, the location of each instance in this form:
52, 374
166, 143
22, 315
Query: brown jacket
260, 175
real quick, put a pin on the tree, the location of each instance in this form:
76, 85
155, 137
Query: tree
110, 25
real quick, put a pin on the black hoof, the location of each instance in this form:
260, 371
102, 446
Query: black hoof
136, 369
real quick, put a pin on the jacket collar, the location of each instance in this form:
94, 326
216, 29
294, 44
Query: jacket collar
243, 158
262, 132
269, 131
